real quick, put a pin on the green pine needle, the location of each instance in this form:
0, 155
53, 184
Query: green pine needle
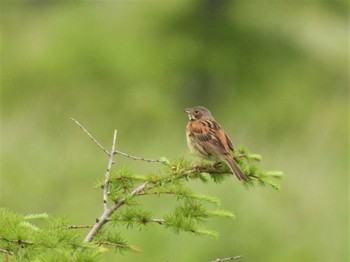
206, 232
221, 213
28, 225
36, 216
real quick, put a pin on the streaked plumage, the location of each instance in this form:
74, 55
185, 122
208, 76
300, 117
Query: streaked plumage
207, 138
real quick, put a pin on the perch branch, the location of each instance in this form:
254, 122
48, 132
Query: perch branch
105, 217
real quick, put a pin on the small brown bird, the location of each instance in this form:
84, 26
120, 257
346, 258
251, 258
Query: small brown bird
207, 138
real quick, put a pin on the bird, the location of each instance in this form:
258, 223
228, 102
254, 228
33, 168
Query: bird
207, 138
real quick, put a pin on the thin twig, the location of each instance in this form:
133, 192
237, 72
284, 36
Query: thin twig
117, 245
18, 241
104, 218
25, 242
157, 220
138, 158
6, 251
115, 151
107, 213
110, 163
89, 135
78, 227
227, 258
155, 193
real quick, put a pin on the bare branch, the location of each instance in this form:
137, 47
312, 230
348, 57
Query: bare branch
115, 151
6, 251
18, 241
24, 242
156, 193
78, 227
104, 218
227, 258
110, 163
138, 158
108, 212
89, 135
157, 220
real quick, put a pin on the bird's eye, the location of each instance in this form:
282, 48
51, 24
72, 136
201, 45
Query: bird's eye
196, 111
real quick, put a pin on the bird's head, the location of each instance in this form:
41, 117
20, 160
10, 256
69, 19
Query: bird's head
198, 112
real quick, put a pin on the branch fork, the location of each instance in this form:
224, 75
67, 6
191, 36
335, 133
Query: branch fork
108, 211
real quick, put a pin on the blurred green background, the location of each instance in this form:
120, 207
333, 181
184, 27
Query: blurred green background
274, 73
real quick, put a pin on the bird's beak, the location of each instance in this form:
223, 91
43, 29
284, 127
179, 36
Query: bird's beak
187, 110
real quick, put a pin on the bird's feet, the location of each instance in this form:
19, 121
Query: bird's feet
217, 164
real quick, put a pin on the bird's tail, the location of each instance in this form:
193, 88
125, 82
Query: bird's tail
235, 169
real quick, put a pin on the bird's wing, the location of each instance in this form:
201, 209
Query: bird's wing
229, 143
210, 136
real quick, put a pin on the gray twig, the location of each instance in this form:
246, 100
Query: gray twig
115, 151
23, 242
138, 158
108, 212
78, 227
18, 241
110, 163
227, 258
157, 220
6, 251
89, 135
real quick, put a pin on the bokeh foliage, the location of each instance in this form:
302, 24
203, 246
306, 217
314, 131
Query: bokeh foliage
274, 73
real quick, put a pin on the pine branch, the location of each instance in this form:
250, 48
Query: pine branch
49, 240
121, 189
104, 218
158, 185
109, 211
